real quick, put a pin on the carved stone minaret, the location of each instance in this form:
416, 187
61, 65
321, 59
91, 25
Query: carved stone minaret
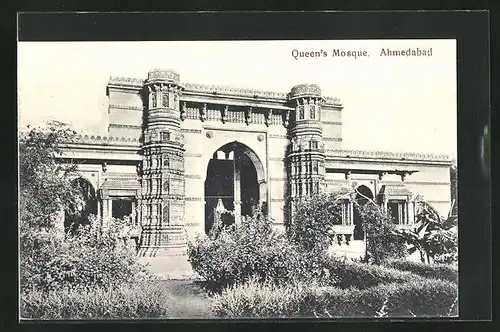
163, 191
306, 154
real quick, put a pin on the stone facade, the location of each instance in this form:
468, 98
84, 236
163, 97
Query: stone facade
167, 139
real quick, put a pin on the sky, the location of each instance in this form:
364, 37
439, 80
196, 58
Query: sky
399, 104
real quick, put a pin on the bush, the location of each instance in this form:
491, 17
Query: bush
362, 275
88, 258
434, 271
253, 249
136, 301
311, 228
420, 297
382, 239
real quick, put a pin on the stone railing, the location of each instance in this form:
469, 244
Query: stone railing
216, 89
387, 155
343, 234
227, 90
136, 82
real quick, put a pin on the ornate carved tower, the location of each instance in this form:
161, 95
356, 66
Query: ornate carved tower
306, 154
163, 191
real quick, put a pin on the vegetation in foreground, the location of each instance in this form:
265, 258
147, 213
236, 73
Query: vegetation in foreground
249, 271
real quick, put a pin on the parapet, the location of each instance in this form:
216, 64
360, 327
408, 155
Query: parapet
163, 76
305, 90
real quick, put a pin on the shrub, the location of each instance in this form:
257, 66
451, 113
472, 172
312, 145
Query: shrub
419, 297
253, 249
88, 258
434, 271
382, 239
362, 275
128, 301
313, 221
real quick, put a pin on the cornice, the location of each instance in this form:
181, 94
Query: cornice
137, 83
393, 156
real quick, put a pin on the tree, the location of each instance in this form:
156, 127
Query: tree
433, 236
45, 188
44, 191
313, 219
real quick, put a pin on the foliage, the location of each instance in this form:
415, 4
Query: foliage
50, 259
253, 249
87, 259
127, 301
447, 272
44, 188
362, 275
313, 219
382, 240
419, 297
432, 236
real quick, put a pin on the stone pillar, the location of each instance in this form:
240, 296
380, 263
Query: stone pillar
106, 208
237, 188
411, 212
306, 149
163, 182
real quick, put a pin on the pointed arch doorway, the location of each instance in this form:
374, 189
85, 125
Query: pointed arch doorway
235, 184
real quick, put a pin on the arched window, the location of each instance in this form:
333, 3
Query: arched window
301, 112
312, 112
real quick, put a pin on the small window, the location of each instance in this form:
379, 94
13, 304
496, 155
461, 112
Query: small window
312, 112
314, 144
315, 167
301, 112
165, 136
397, 211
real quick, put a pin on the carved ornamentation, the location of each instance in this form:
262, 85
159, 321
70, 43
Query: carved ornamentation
260, 138
209, 134
183, 111
203, 113
248, 114
165, 99
223, 113
387, 155
268, 115
153, 99
286, 119
168, 75
305, 90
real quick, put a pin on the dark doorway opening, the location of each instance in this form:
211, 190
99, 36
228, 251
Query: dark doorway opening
230, 172
361, 198
79, 215
121, 208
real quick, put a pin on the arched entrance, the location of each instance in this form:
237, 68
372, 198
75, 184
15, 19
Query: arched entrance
235, 184
363, 192
80, 215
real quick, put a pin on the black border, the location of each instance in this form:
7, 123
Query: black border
471, 29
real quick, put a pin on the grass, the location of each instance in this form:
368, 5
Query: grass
188, 299
154, 299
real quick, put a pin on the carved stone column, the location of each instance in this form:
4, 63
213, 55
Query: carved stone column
306, 155
163, 191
